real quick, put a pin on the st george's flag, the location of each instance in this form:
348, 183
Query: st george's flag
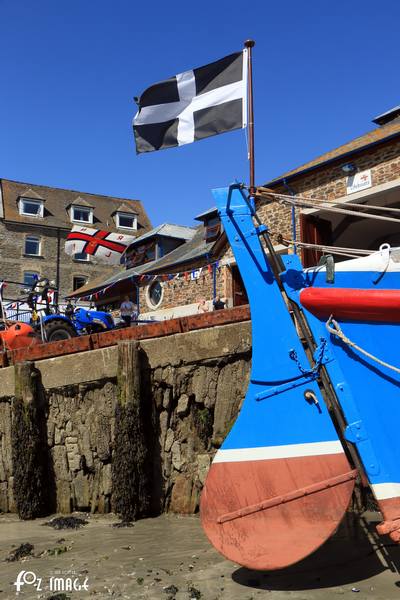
103, 245
193, 105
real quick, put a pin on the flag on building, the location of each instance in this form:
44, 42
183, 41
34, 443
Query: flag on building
193, 105
105, 246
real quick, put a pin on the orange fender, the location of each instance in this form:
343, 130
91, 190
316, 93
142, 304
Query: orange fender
19, 335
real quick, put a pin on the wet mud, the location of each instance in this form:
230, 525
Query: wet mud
168, 557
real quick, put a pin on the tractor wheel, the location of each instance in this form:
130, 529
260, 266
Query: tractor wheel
57, 330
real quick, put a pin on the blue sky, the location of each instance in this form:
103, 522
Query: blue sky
70, 69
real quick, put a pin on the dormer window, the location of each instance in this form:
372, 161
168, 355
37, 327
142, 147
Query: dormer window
212, 229
30, 207
126, 221
81, 214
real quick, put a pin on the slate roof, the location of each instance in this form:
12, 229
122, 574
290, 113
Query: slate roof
211, 212
379, 135
388, 115
179, 232
190, 251
30, 193
100, 282
57, 200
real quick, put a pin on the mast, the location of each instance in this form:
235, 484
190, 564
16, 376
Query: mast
249, 44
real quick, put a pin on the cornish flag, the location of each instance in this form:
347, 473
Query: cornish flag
105, 246
193, 105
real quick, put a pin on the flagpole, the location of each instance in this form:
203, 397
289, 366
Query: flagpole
249, 44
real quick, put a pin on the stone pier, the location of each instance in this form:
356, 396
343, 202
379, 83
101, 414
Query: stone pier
193, 384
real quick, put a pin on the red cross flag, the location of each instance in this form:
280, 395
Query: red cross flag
105, 246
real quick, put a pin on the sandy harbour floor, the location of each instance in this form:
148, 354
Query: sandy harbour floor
169, 558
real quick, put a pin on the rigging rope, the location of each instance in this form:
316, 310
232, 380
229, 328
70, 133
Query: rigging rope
352, 252
296, 201
334, 328
264, 191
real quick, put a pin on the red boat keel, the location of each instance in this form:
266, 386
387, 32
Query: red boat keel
268, 514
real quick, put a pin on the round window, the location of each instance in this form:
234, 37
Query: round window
155, 294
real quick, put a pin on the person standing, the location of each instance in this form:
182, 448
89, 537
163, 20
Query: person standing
127, 309
218, 303
202, 306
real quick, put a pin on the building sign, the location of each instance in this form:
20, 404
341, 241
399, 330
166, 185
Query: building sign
359, 181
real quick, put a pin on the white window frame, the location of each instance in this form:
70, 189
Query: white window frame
39, 241
84, 208
87, 259
130, 215
148, 297
39, 203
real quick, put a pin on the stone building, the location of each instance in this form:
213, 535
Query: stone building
169, 274
365, 170
170, 269
34, 222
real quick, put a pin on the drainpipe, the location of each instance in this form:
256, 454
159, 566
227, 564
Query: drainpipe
58, 260
214, 275
293, 211
137, 299
214, 282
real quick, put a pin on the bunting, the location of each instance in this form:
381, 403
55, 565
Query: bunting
193, 275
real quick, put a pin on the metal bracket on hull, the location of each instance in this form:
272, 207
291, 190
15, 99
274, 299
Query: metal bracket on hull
307, 375
278, 389
295, 495
356, 434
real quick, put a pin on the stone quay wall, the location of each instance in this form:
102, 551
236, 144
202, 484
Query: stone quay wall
193, 383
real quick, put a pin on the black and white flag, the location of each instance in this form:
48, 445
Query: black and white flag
193, 105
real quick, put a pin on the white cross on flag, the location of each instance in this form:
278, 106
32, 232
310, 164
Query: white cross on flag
193, 105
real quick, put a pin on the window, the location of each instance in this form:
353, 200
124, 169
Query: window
30, 278
126, 221
81, 256
154, 294
32, 246
31, 208
78, 282
140, 255
81, 214
212, 229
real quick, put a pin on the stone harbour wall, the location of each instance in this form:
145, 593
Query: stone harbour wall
193, 384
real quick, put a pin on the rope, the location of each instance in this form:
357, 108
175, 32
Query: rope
336, 331
324, 205
264, 191
351, 252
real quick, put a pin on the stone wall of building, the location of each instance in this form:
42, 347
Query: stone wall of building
14, 263
187, 290
193, 385
330, 182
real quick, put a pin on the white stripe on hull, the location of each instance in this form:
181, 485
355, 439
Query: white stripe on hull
383, 491
273, 452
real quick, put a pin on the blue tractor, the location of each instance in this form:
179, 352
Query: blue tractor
60, 326
56, 326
